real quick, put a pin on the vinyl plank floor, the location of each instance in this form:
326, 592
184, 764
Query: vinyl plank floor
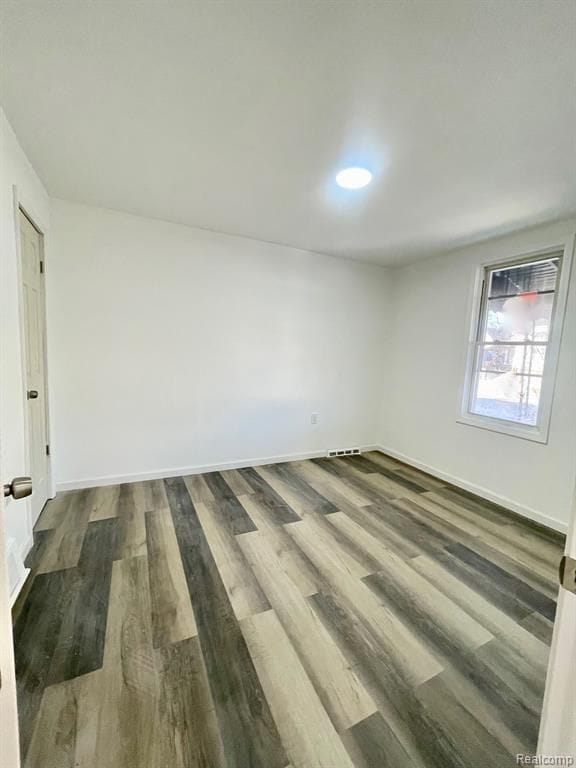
187, 728
171, 609
247, 728
131, 536
337, 685
305, 727
68, 536
354, 612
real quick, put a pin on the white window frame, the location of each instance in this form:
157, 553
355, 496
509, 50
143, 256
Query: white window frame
539, 432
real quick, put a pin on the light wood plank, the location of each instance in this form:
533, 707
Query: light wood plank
296, 567
104, 502
149, 495
56, 510
131, 535
242, 587
198, 488
236, 482
502, 531
494, 620
407, 653
405, 470
172, 614
128, 698
65, 733
339, 689
67, 539
426, 600
320, 479
326, 545
413, 586
289, 493
307, 732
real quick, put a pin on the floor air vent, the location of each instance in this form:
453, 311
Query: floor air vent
344, 452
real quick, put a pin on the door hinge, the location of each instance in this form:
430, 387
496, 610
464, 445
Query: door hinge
47, 450
41, 267
568, 573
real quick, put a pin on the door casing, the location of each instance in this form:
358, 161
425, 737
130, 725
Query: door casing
21, 208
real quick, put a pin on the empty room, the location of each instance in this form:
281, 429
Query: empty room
287, 383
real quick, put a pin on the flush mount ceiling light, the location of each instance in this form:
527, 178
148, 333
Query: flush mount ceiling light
353, 178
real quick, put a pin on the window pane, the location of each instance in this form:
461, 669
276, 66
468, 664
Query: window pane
514, 328
508, 396
524, 278
525, 317
512, 359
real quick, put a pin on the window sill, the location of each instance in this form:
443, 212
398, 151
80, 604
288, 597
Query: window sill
523, 431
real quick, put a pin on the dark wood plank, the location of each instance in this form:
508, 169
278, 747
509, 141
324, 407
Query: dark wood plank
421, 533
369, 518
496, 592
539, 626
447, 638
491, 687
188, 735
353, 479
309, 496
500, 514
42, 541
232, 515
367, 466
373, 744
219, 487
523, 592
248, 731
464, 737
36, 636
268, 498
80, 647
405, 715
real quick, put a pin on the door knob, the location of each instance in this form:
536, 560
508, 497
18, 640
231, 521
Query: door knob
32, 394
19, 488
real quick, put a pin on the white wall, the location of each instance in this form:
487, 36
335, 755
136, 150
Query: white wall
175, 348
431, 310
15, 170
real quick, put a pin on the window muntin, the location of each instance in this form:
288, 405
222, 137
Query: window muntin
514, 328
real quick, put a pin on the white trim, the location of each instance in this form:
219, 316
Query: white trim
557, 735
503, 501
18, 587
159, 474
26, 547
538, 433
21, 207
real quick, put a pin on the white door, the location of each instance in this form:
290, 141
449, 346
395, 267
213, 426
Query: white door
9, 747
34, 339
558, 724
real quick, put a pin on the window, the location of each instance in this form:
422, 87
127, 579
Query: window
513, 353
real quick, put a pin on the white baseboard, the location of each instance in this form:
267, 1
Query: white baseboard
17, 571
159, 474
26, 547
18, 587
503, 501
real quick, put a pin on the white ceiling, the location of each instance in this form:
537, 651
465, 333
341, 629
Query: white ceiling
235, 116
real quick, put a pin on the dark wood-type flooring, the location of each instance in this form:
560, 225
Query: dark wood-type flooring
318, 614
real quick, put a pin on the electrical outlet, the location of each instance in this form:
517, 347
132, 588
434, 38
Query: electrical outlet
314, 418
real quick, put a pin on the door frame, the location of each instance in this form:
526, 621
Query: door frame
22, 206
559, 702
